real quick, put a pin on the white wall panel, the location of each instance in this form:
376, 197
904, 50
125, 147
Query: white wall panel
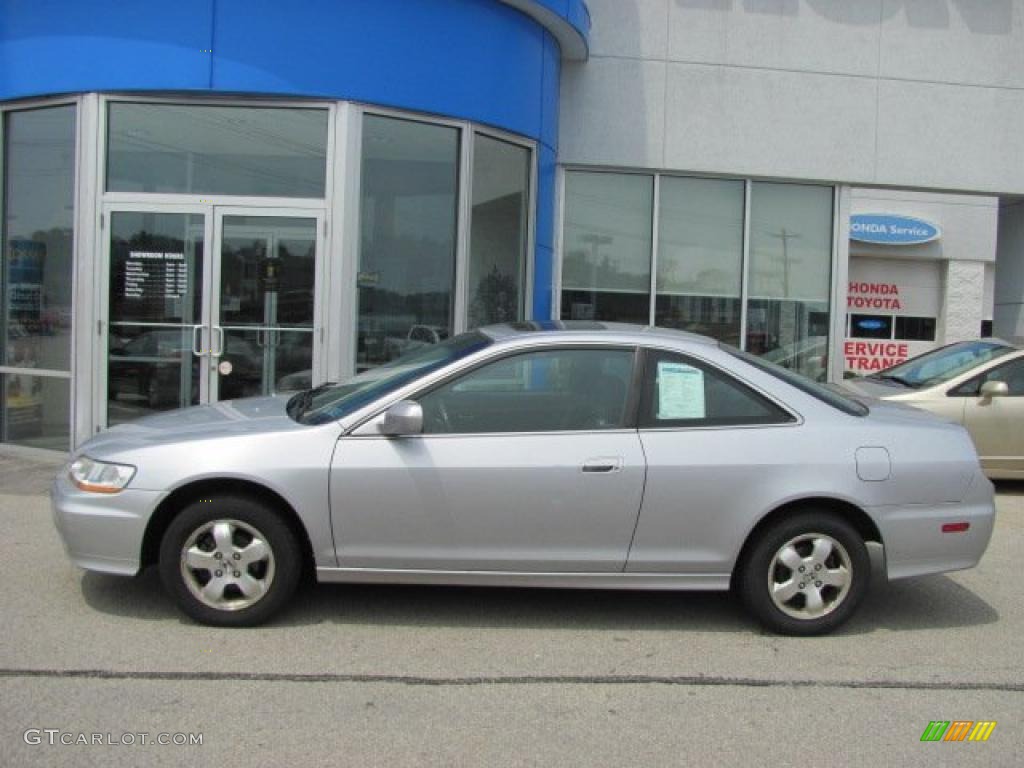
613, 112
968, 224
978, 42
924, 94
950, 137
769, 123
818, 36
629, 28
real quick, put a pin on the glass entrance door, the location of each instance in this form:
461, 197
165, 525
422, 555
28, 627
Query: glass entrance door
156, 333
187, 325
265, 312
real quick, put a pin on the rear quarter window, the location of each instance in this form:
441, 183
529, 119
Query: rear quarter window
820, 392
681, 392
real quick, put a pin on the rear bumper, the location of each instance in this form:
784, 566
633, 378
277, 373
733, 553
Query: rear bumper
915, 543
102, 532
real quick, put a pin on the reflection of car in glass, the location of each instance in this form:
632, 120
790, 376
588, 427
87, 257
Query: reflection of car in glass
979, 384
295, 307
293, 382
418, 336
16, 330
150, 366
535, 455
806, 356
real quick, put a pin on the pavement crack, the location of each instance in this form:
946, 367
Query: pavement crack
677, 680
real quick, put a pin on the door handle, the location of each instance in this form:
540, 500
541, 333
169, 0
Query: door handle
219, 349
197, 340
603, 464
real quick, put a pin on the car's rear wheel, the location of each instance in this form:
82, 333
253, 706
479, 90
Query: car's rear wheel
230, 561
806, 575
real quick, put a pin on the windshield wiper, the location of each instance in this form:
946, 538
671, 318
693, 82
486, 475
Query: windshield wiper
301, 401
897, 379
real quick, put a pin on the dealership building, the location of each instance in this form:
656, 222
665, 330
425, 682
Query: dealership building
220, 198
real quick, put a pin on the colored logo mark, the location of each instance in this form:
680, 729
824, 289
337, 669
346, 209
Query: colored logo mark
958, 730
891, 229
871, 325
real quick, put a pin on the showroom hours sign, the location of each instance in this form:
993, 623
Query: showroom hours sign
155, 276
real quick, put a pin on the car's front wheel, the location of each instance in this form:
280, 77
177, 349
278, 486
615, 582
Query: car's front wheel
230, 561
806, 575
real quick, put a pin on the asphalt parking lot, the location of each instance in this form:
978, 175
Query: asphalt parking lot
389, 676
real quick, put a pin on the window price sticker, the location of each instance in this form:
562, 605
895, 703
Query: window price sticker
680, 391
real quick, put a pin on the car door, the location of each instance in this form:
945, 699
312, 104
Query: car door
527, 463
716, 449
996, 423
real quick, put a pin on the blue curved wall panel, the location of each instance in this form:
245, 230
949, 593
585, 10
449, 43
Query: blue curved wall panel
479, 60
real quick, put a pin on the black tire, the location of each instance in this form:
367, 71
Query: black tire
237, 521
799, 614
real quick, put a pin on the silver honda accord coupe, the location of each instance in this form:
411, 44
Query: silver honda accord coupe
538, 454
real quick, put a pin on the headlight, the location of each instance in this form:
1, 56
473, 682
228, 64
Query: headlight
99, 476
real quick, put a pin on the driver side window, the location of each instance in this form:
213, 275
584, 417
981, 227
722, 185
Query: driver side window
544, 391
1012, 373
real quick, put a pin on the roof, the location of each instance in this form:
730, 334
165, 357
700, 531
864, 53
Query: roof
577, 328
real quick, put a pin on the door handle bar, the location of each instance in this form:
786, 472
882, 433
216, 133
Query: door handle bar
603, 465
219, 349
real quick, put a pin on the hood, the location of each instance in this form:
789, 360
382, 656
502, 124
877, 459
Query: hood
229, 418
875, 388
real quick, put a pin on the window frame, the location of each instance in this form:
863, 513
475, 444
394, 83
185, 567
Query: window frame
631, 408
647, 423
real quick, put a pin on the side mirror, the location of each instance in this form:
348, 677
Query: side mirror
403, 418
994, 389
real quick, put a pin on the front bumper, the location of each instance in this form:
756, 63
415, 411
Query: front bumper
102, 532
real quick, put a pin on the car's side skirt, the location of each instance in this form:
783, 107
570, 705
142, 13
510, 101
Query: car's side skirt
667, 581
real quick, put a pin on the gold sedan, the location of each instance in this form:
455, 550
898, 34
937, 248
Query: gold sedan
979, 384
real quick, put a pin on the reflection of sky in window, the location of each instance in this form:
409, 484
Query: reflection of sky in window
39, 166
217, 150
700, 238
795, 221
498, 229
607, 231
409, 200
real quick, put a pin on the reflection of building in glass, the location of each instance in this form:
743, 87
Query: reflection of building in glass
638, 174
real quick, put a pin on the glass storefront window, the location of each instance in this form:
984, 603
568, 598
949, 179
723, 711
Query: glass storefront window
498, 231
37, 410
39, 168
701, 261
606, 266
408, 235
700, 256
790, 275
36, 274
203, 149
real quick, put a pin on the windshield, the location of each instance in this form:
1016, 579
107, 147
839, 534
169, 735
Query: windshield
941, 365
331, 402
